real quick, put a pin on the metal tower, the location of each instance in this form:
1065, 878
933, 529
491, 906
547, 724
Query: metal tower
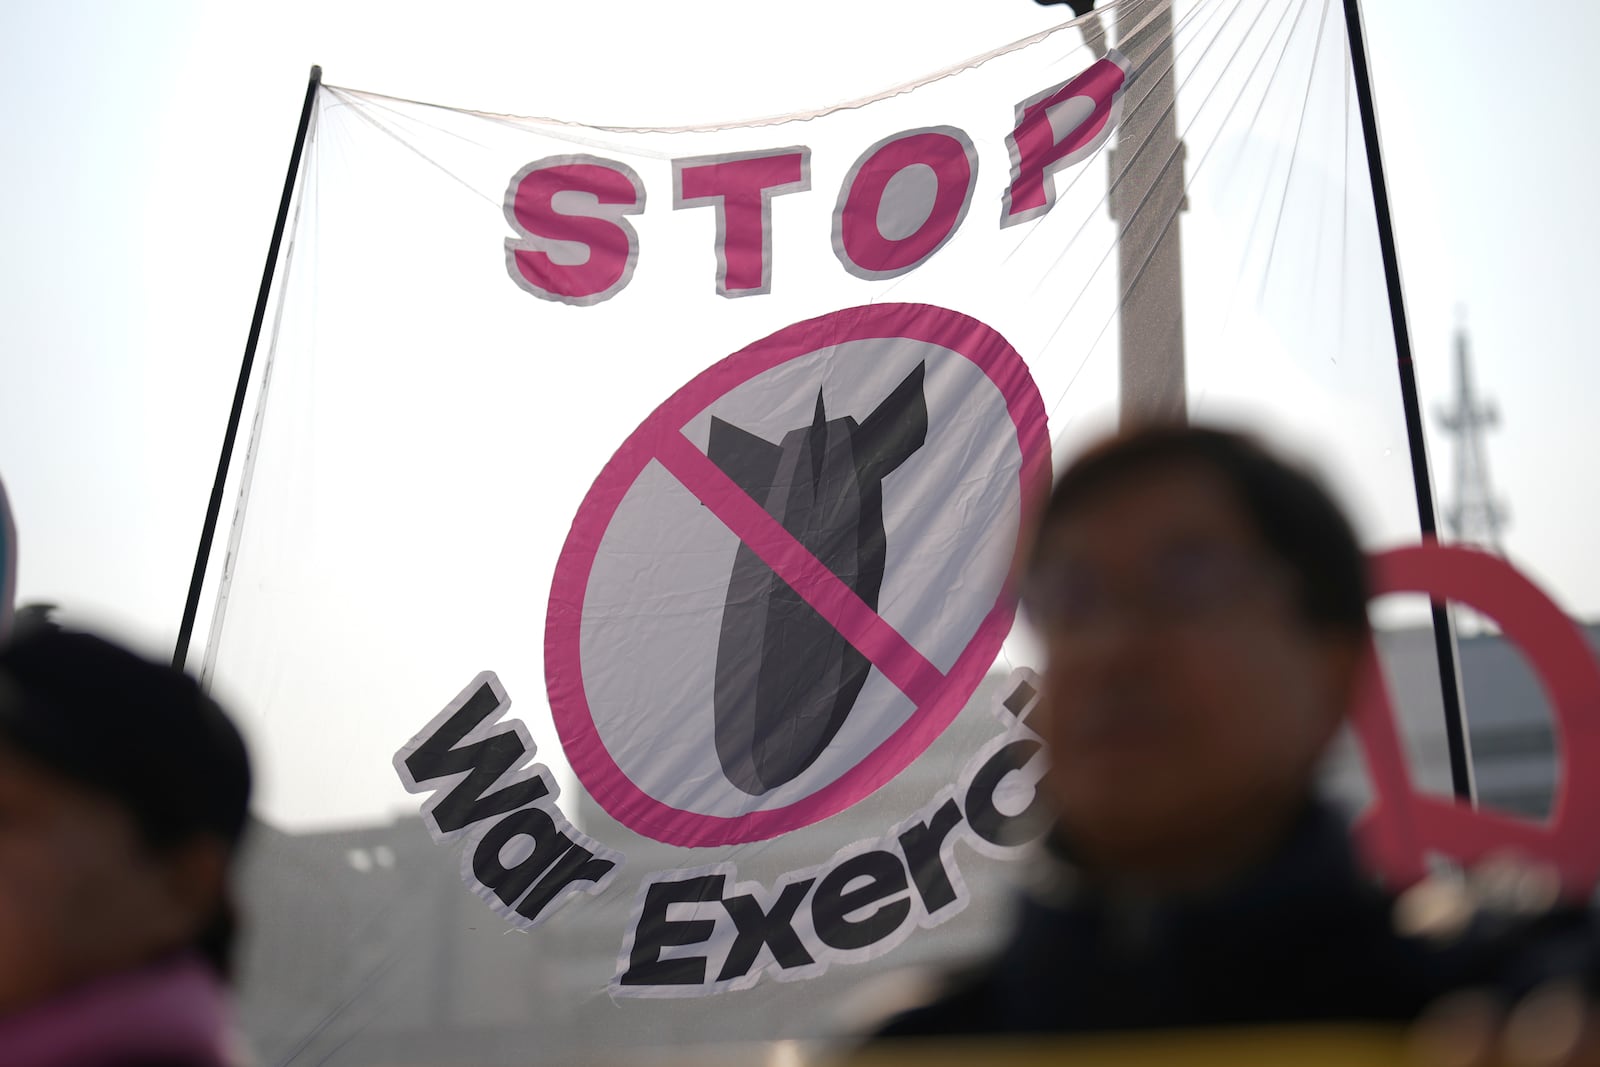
1474, 516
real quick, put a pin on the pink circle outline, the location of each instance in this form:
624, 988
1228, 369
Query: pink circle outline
980, 345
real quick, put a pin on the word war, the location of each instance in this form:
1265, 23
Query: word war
485, 798
702, 931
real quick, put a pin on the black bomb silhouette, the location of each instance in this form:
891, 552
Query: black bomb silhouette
786, 679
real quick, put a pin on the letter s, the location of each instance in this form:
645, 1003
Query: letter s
571, 251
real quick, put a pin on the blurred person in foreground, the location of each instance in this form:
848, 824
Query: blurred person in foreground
123, 791
1203, 610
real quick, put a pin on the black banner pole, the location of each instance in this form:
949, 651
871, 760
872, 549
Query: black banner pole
1443, 636
214, 508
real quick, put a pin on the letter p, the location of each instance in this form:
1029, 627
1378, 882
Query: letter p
1057, 128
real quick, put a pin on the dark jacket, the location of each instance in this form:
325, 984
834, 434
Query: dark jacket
1304, 938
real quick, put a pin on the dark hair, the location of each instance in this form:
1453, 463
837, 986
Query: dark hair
1295, 516
139, 732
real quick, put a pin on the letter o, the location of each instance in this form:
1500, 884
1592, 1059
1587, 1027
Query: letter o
858, 238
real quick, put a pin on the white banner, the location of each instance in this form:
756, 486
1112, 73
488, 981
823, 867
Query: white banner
689, 463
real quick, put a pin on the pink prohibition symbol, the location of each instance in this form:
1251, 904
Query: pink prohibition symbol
1402, 825
939, 697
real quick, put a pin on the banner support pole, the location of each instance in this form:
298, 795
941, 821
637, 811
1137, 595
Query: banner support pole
208, 531
1145, 173
1444, 638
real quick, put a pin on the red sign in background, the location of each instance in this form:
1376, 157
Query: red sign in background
1403, 827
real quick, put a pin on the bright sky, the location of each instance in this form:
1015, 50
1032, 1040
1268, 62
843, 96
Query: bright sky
148, 144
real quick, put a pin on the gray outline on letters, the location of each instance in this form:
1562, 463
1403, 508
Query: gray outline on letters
514, 245
850, 265
467, 837
1113, 120
679, 202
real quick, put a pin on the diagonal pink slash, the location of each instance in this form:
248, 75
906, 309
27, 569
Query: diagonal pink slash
835, 601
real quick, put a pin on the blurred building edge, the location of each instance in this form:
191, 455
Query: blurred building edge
363, 945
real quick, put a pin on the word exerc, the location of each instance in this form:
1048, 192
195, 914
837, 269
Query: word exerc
575, 245
700, 931
520, 853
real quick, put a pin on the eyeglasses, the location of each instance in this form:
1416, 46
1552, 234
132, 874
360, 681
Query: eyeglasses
1185, 584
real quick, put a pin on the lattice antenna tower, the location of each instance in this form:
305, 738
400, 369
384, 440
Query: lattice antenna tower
1474, 516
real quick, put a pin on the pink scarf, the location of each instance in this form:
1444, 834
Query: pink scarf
173, 1012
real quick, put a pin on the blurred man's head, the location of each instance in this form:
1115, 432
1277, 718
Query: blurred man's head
1203, 606
123, 792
